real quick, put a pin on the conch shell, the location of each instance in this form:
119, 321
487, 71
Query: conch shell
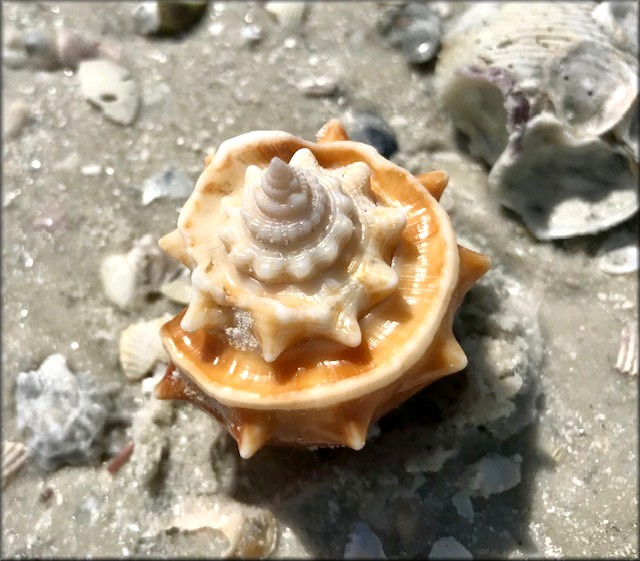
324, 283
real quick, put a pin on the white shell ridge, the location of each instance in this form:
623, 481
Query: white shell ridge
273, 228
303, 249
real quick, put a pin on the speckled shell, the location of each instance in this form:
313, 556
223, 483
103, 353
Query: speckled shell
321, 392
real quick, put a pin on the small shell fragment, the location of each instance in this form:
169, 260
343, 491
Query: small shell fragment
627, 361
14, 456
289, 15
618, 255
171, 183
363, 544
250, 531
111, 88
141, 347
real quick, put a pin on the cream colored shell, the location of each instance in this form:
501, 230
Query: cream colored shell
395, 283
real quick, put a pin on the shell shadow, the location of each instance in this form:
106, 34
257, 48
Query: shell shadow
321, 494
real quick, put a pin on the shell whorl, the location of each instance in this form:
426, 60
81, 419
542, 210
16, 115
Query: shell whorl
292, 223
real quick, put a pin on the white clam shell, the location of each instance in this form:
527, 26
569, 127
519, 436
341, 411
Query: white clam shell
119, 277
564, 185
140, 347
552, 51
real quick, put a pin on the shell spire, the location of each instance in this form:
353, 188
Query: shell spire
302, 252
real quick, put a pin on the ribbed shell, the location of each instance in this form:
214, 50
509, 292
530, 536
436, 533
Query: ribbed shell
556, 53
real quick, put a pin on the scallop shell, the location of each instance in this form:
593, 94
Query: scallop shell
141, 348
564, 185
325, 279
14, 456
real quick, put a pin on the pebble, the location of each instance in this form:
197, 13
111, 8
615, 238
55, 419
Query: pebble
318, 86
171, 184
41, 49
73, 48
369, 127
449, 548
414, 28
167, 18
111, 88
363, 544
16, 116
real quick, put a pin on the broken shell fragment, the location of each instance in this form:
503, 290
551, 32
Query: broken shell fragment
564, 185
324, 283
111, 88
504, 65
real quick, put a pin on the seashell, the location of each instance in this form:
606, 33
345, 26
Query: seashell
564, 185
551, 51
141, 348
618, 255
250, 531
127, 277
325, 279
14, 456
109, 87
168, 18
590, 87
627, 360
620, 22
170, 183
178, 290
289, 14
65, 413
414, 28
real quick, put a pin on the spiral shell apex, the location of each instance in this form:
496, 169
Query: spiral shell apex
323, 287
303, 255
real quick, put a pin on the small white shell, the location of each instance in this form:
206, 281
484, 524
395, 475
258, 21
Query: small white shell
563, 185
14, 456
627, 361
141, 348
590, 86
618, 255
250, 531
142, 270
178, 290
111, 88
290, 15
